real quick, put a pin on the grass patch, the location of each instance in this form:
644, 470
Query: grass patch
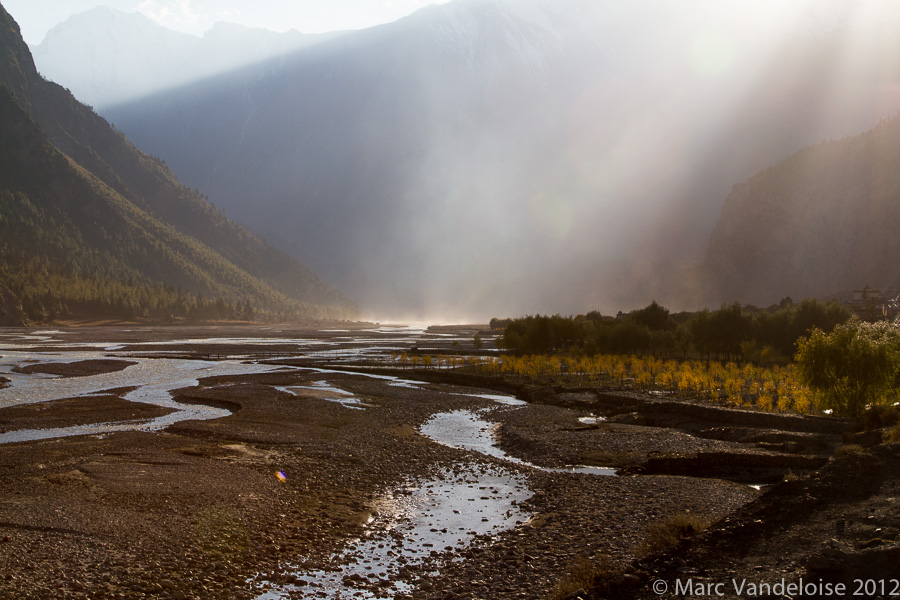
586, 575
791, 476
892, 434
672, 529
845, 449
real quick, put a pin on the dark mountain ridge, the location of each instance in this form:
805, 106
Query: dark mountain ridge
823, 221
87, 217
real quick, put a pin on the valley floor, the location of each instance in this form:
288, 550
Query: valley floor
270, 500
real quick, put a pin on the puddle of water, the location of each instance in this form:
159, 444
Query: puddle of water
230, 341
399, 328
605, 471
466, 430
591, 420
351, 355
391, 379
498, 398
332, 394
428, 522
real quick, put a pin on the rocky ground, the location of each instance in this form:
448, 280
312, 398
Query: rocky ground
230, 507
831, 534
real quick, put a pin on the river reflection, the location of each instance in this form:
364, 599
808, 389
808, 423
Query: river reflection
415, 531
154, 380
469, 430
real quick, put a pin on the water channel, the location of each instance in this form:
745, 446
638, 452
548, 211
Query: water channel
422, 523
154, 380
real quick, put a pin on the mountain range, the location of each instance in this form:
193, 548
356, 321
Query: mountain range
106, 56
92, 226
498, 157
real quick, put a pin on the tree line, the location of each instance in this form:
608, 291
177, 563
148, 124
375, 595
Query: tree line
833, 360
51, 298
732, 332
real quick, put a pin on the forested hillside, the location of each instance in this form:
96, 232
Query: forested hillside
823, 221
91, 226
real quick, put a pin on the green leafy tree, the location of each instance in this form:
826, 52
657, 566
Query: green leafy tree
653, 317
728, 327
853, 366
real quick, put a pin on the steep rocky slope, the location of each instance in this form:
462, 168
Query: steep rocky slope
823, 221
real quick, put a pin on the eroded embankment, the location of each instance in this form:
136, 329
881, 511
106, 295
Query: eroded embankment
641, 434
832, 534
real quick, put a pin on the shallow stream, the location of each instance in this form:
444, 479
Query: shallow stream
155, 379
422, 525
415, 528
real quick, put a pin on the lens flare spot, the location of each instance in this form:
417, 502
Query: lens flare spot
281, 476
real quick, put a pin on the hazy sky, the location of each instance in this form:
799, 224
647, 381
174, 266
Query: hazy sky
36, 17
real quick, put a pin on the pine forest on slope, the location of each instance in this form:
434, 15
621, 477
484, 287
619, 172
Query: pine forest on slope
92, 227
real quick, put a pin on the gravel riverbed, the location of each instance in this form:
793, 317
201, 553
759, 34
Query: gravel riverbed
239, 506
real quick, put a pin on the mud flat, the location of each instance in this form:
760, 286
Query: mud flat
292, 493
81, 368
76, 411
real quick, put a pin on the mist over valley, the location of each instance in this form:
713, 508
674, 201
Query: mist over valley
481, 158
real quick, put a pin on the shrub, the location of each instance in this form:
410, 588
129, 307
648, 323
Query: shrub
853, 366
671, 530
845, 449
584, 575
882, 415
893, 434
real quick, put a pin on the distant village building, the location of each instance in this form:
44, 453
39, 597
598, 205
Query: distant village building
871, 304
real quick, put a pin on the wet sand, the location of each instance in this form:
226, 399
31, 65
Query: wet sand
81, 368
76, 411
